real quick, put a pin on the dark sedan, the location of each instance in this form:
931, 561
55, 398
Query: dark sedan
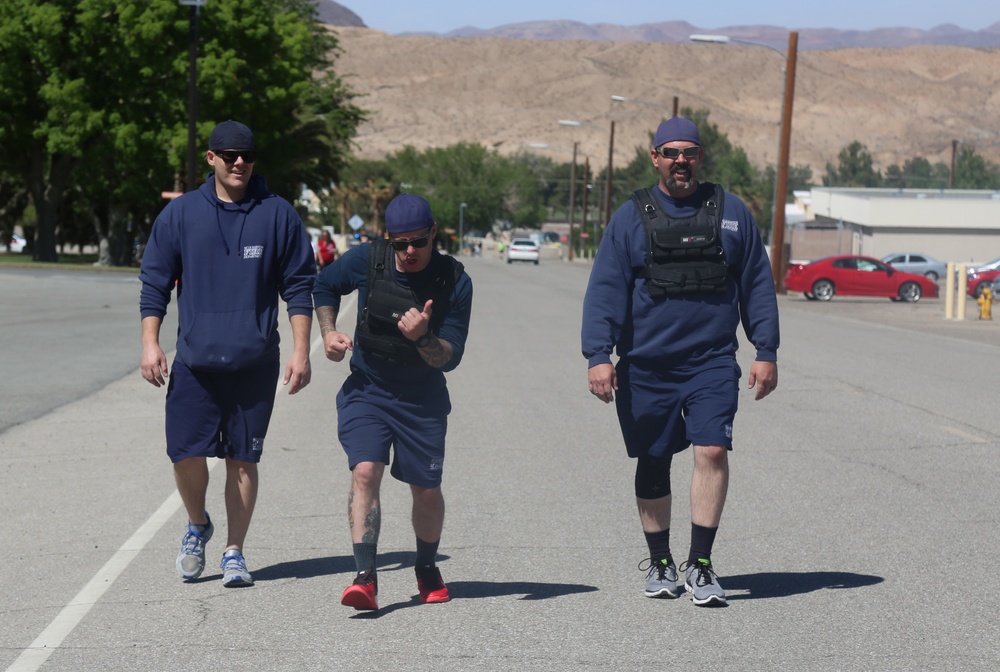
849, 275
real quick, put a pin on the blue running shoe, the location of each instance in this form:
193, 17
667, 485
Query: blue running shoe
234, 570
191, 560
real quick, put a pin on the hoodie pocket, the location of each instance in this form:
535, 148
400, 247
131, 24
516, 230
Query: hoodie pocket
224, 341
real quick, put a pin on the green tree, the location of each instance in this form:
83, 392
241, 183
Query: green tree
854, 168
94, 97
972, 171
494, 188
917, 173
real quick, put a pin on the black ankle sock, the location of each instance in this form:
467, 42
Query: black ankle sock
702, 540
426, 552
364, 556
659, 544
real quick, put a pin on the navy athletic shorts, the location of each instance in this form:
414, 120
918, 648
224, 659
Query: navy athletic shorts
664, 412
215, 414
371, 420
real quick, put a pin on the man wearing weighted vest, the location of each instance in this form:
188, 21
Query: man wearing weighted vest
414, 306
679, 267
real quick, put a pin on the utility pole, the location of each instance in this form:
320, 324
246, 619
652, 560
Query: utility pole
607, 195
572, 200
192, 91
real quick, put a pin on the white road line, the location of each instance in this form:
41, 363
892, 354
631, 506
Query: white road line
66, 621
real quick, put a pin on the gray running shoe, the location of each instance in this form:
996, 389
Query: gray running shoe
703, 584
661, 579
234, 570
191, 560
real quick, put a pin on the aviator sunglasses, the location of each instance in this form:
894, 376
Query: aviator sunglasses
249, 156
673, 152
417, 243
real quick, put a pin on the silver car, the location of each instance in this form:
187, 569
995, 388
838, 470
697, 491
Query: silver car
915, 262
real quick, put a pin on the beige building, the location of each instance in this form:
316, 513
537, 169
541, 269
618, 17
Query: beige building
962, 226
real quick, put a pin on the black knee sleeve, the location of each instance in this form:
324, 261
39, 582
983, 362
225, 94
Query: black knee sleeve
652, 477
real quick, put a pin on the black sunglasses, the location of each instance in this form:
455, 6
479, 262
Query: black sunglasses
249, 156
673, 152
417, 243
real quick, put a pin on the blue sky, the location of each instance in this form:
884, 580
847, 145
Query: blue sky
442, 16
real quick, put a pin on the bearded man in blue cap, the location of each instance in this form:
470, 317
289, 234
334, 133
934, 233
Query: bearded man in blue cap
680, 266
230, 248
414, 306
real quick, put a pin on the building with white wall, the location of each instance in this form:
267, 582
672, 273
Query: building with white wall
950, 225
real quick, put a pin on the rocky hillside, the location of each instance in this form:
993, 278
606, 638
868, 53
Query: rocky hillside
510, 94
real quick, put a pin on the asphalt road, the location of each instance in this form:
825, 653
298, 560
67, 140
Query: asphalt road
859, 532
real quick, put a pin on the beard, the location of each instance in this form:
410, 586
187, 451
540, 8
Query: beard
674, 183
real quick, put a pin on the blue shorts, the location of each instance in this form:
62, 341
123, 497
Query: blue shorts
371, 420
219, 414
663, 412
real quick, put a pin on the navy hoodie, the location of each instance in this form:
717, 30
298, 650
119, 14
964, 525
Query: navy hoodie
230, 262
678, 331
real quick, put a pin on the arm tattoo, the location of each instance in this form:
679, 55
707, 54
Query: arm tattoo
437, 353
326, 316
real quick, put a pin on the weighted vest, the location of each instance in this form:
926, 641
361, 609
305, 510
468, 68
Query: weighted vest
387, 301
683, 256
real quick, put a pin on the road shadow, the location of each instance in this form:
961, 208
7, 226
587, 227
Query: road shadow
785, 584
471, 590
336, 564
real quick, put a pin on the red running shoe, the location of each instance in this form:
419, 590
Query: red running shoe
363, 593
430, 585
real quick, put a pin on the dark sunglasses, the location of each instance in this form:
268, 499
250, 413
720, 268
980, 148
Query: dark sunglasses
417, 243
673, 152
249, 156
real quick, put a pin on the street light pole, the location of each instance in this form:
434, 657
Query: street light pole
192, 90
611, 150
461, 228
572, 200
778, 260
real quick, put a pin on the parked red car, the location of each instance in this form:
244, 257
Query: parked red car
977, 281
850, 275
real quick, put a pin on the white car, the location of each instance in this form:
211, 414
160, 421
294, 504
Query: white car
523, 249
16, 244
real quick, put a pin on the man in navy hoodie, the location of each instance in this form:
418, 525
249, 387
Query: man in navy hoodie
231, 248
678, 268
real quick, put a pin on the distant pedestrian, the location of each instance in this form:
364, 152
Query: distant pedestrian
231, 248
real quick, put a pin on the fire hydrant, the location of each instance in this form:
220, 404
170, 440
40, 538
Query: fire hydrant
985, 302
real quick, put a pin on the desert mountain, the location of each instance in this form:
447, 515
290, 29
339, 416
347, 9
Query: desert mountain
510, 93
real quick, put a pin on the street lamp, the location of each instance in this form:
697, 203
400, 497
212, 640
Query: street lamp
461, 227
572, 191
192, 87
781, 182
623, 99
611, 152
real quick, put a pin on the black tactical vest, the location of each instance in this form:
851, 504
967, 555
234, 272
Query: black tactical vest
683, 256
387, 301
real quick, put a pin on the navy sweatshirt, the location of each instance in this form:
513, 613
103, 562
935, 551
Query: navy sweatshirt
678, 331
350, 272
231, 261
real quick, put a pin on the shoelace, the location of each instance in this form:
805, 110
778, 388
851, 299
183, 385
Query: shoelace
234, 563
193, 543
706, 575
661, 567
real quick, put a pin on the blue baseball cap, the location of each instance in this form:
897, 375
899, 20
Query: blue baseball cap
676, 128
230, 135
407, 212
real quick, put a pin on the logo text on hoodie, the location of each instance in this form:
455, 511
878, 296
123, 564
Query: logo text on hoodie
253, 251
